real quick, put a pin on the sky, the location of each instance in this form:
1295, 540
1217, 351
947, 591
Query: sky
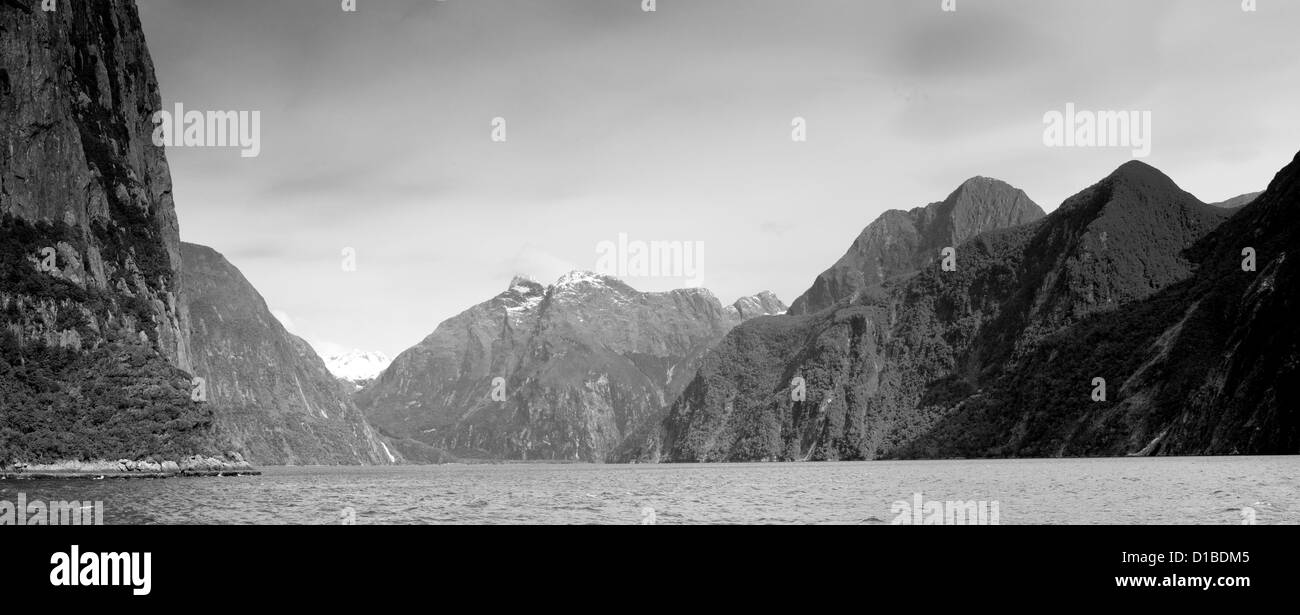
673, 125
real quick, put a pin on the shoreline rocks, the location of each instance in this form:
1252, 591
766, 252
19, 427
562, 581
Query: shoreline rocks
233, 464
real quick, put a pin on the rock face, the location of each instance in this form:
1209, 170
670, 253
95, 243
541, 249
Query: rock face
998, 357
559, 372
902, 241
274, 400
90, 324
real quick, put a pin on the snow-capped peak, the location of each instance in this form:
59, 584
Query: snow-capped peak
357, 366
765, 303
575, 278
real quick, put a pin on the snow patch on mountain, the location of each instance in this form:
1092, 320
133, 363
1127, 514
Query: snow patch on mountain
358, 366
579, 278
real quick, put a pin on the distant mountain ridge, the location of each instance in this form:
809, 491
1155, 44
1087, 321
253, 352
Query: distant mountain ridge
581, 363
900, 241
1239, 201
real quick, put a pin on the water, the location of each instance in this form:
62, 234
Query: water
1188, 490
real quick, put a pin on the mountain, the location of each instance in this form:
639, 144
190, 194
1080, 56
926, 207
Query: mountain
902, 241
902, 370
358, 368
92, 334
558, 372
274, 399
1205, 366
1238, 201
765, 303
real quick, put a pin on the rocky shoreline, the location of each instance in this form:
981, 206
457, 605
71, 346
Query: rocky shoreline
195, 465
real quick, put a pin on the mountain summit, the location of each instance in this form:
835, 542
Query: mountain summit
900, 242
1118, 240
765, 303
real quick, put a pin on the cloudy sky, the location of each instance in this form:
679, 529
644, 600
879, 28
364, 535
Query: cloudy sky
671, 125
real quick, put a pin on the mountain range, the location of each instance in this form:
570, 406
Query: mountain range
1206, 364
1132, 320
561, 372
1132, 281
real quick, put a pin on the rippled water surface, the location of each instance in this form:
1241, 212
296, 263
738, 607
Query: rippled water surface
1200, 490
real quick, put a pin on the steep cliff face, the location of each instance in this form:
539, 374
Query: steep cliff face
90, 324
896, 370
902, 241
274, 399
79, 166
551, 372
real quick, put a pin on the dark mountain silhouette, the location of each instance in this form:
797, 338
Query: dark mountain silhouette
899, 371
273, 398
902, 241
582, 363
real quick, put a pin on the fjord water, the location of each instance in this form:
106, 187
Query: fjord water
1162, 490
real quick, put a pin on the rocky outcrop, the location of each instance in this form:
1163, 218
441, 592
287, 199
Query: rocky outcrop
991, 359
273, 398
231, 464
559, 372
903, 241
92, 333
